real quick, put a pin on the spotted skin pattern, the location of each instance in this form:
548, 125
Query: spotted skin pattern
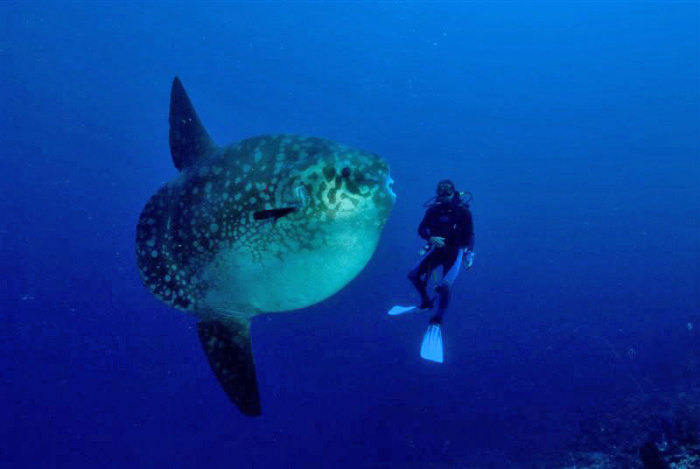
208, 211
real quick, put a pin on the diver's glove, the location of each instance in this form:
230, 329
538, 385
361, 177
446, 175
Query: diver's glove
437, 241
468, 259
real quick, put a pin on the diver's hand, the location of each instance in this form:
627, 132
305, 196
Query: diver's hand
437, 241
468, 259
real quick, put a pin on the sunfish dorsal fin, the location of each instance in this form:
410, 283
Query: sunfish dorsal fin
230, 354
189, 140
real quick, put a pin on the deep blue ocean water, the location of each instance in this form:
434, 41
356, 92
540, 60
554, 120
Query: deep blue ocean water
575, 125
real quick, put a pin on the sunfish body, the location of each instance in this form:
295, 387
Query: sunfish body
268, 224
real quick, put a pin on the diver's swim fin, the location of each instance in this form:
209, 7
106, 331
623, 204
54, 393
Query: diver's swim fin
396, 310
431, 348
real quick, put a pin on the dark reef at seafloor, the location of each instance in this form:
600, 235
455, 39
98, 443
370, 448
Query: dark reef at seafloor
669, 423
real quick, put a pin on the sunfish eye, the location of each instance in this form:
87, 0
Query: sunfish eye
345, 172
302, 195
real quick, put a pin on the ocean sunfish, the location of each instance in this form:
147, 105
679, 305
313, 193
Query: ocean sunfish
266, 225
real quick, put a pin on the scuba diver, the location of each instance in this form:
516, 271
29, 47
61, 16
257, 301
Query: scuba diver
448, 229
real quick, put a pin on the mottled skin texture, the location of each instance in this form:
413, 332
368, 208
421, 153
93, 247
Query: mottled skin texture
269, 224
199, 248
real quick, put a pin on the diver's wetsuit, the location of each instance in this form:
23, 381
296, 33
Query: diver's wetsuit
452, 221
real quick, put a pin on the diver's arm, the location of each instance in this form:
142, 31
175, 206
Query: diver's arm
464, 230
468, 238
424, 227
469, 230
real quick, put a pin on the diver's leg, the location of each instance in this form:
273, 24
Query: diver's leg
419, 277
450, 266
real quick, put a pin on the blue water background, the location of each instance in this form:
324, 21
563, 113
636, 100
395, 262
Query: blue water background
575, 125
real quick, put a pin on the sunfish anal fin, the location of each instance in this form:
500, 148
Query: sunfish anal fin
189, 140
230, 354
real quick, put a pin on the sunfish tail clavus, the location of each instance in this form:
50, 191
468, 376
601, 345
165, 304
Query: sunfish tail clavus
269, 224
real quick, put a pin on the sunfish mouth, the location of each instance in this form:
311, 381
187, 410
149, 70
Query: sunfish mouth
389, 186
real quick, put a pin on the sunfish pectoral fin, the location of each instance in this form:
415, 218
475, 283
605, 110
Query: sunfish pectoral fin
230, 353
273, 214
189, 140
